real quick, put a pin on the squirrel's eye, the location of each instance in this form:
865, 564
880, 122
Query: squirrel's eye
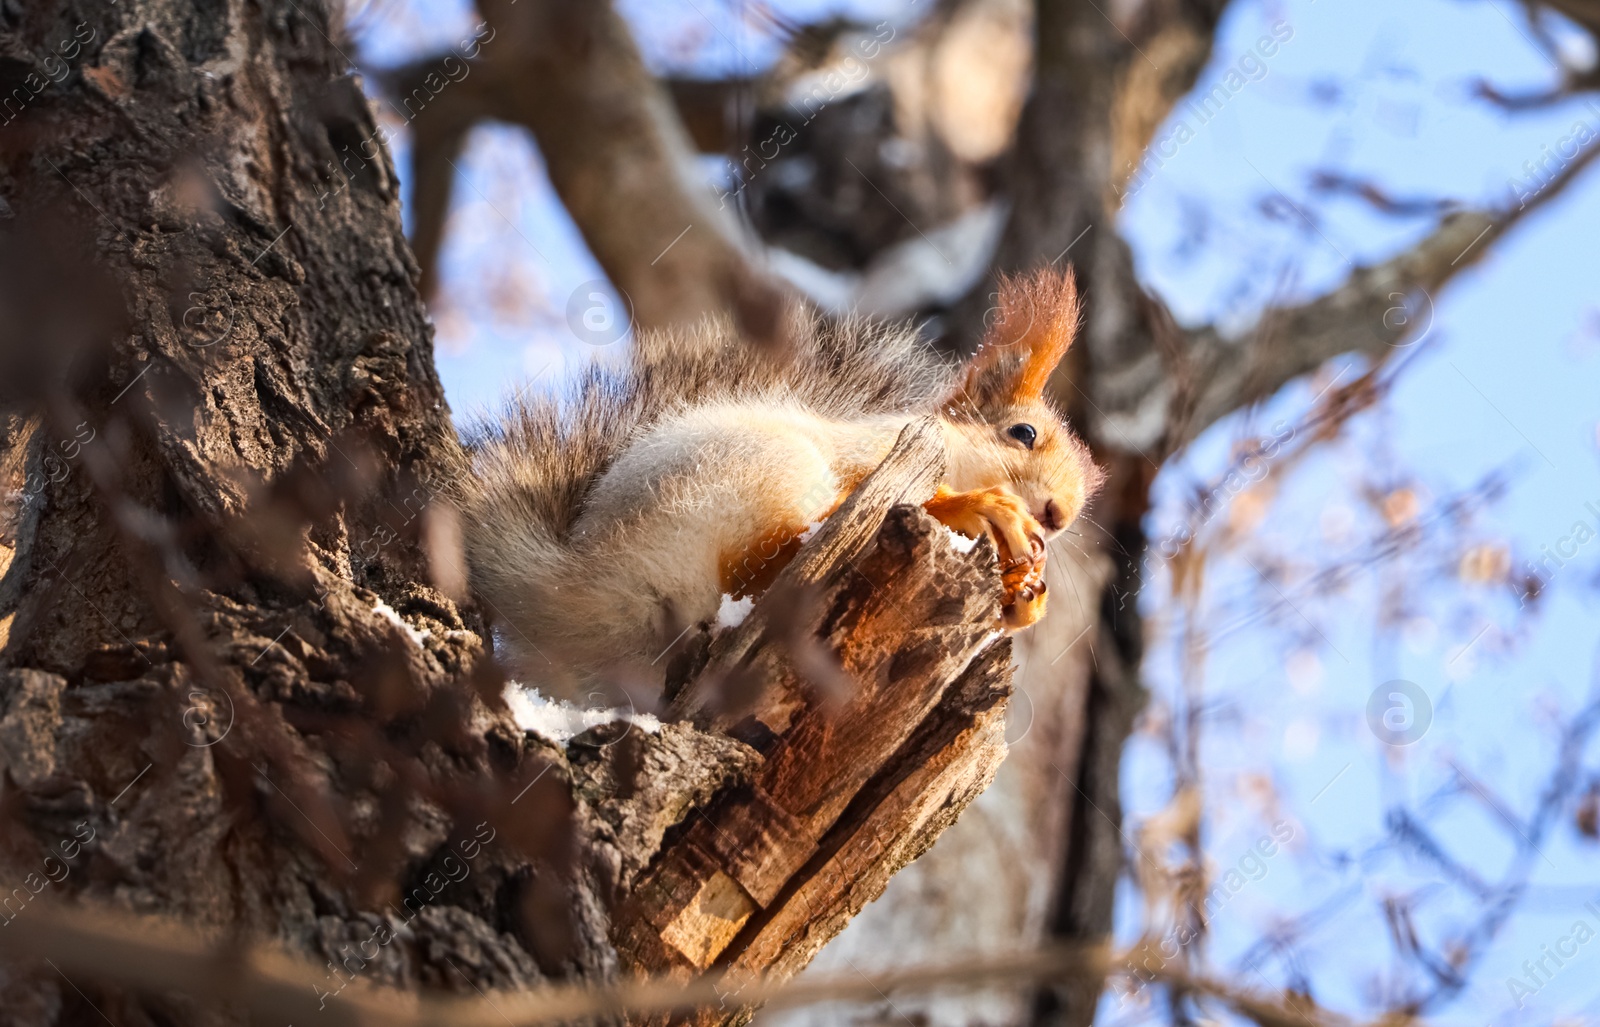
1023, 433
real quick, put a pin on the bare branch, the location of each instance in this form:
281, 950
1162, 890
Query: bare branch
157, 955
1377, 309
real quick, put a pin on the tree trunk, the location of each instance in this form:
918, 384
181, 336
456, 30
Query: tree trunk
221, 405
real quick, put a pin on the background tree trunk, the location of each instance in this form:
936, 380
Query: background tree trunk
1039, 855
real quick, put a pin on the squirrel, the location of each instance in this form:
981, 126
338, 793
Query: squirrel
598, 523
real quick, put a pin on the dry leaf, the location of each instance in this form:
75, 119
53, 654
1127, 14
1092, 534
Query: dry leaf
1400, 507
1485, 564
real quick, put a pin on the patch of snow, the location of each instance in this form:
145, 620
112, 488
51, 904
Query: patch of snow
959, 542
833, 291
932, 269
830, 82
733, 611
560, 721
811, 529
386, 611
936, 268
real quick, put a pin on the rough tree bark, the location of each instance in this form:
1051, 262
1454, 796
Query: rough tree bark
235, 689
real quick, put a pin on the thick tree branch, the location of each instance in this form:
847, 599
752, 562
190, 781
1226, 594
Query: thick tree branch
614, 149
1377, 309
865, 760
1171, 41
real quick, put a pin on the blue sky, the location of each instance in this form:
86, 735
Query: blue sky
1505, 381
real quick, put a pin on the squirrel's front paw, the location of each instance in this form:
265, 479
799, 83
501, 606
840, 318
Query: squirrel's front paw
1024, 596
1018, 538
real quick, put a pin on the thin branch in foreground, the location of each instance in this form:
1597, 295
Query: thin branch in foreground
153, 954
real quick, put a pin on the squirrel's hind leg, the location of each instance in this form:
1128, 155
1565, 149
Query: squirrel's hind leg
714, 503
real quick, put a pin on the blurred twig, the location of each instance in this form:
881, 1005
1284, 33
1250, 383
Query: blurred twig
159, 955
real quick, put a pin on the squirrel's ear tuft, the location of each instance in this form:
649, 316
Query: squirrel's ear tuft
1032, 327
1039, 318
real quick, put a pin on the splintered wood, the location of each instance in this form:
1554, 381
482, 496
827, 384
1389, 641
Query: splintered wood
872, 680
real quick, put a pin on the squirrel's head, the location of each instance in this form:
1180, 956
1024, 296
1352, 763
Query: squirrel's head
1013, 436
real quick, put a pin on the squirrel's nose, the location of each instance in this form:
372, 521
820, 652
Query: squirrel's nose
1052, 520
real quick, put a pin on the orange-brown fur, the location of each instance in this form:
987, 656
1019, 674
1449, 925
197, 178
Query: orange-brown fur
600, 523
749, 570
